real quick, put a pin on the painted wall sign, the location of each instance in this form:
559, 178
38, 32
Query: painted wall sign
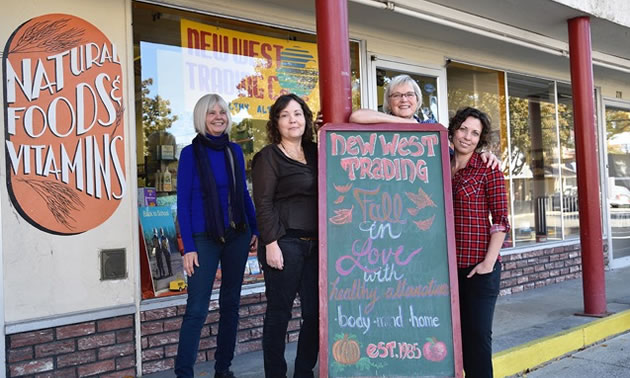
255, 69
64, 124
388, 284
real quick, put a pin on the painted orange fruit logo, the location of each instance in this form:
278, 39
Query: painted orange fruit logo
64, 124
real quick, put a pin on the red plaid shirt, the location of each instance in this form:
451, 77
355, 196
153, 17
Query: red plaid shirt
477, 192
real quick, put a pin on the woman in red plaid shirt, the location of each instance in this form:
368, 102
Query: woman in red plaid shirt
478, 191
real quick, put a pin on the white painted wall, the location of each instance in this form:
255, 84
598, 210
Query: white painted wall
46, 275
617, 11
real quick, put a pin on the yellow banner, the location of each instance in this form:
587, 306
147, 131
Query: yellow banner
249, 70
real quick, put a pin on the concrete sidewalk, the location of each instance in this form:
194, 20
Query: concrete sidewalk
530, 328
606, 359
539, 325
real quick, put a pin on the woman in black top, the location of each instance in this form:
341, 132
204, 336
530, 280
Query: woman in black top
285, 194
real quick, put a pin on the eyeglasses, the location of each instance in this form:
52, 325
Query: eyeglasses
398, 96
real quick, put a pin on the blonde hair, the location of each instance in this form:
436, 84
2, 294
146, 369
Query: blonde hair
397, 81
203, 105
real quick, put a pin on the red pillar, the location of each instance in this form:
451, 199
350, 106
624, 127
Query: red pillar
333, 49
594, 284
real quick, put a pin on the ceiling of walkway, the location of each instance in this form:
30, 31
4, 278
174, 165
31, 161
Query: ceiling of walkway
547, 18
544, 17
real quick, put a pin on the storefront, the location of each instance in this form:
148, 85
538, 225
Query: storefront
89, 214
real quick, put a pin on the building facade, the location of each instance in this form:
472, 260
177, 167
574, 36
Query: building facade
107, 88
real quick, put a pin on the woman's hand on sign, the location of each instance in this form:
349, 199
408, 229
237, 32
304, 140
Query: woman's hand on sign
274, 256
191, 261
483, 267
319, 120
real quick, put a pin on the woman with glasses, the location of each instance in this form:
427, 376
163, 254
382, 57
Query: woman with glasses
401, 104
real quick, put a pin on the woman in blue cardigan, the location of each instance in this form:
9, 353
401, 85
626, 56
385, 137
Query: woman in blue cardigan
218, 223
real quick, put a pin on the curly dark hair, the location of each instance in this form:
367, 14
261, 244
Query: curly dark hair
273, 134
462, 114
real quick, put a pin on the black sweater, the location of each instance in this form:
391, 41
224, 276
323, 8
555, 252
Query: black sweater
285, 193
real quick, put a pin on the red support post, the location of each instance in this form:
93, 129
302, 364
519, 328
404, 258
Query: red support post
333, 49
594, 284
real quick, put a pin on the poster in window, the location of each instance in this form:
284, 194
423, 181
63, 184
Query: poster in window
160, 240
249, 70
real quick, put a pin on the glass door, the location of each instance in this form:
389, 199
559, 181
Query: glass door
618, 175
432, 82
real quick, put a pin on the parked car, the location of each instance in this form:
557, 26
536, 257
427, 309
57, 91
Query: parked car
620, 196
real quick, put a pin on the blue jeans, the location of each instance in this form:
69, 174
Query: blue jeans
233, 257
281, 286
477, 298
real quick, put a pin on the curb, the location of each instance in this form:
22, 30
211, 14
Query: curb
529, 355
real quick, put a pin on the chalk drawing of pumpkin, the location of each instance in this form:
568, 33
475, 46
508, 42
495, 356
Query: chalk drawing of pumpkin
346, 351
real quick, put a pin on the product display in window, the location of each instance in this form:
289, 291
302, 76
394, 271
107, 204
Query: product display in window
160, 242
181, 56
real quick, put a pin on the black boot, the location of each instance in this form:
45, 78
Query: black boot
224, 374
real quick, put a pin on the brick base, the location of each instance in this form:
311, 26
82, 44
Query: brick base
529, 270
160, 332
103, 348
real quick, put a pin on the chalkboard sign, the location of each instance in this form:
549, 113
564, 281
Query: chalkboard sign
388, 276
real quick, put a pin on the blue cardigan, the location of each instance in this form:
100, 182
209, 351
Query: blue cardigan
190, 213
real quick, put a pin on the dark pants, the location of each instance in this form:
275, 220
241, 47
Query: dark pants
233, 256
298, 276
477, 298
158, 261
167, 257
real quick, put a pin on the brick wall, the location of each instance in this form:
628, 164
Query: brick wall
103, 348
529, 270
160, 332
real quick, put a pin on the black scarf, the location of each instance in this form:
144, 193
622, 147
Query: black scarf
212, 206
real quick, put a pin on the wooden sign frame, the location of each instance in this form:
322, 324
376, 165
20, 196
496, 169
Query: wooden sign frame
323, 216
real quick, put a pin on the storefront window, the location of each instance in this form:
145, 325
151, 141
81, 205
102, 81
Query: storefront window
541, 148
483, 89
181, 56
568, 164
618, 150
535, 159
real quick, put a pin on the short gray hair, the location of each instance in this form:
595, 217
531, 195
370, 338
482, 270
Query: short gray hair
202, 106
397, 81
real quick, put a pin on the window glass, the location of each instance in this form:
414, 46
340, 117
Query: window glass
535, 160
180, 56
483, 89
618, 143
568, 164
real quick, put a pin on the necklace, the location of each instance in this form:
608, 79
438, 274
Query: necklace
299, 158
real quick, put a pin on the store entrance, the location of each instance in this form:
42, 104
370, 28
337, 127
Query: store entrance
618, 175
432, 82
